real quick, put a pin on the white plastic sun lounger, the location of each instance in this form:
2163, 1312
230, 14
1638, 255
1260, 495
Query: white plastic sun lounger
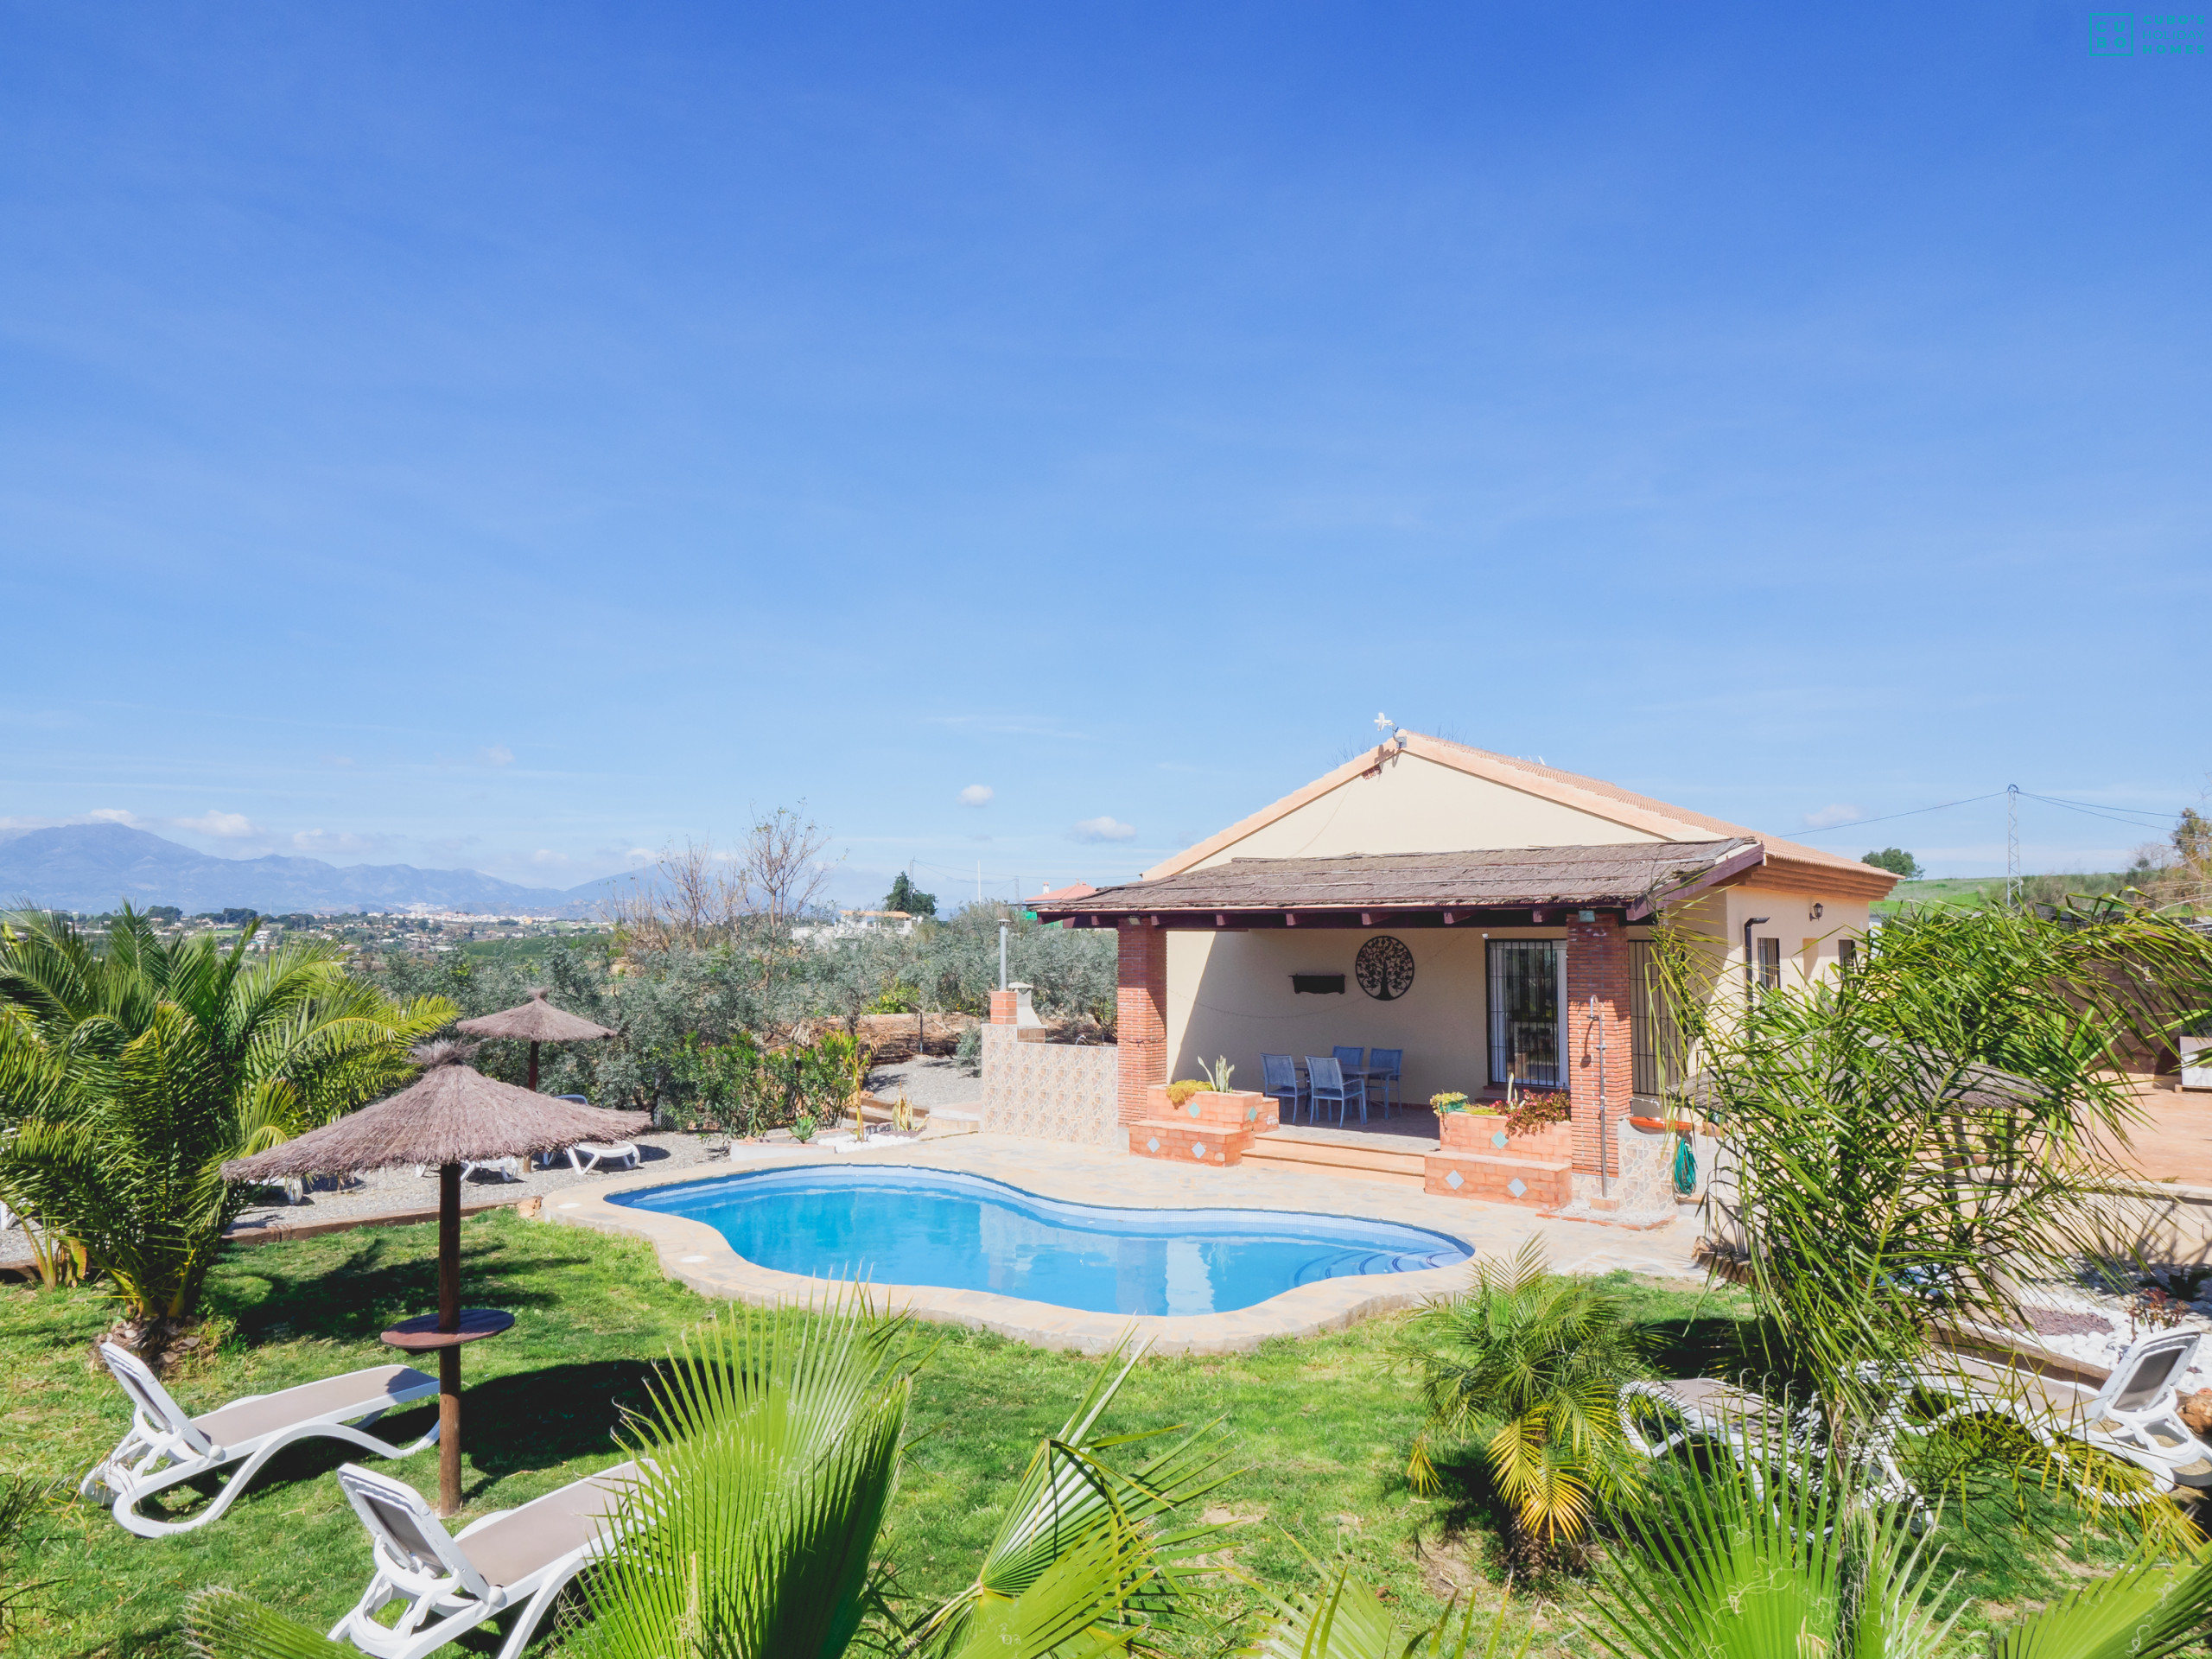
451, 1584
1655, 1417
164, 1447
590, 1154
2131, 1416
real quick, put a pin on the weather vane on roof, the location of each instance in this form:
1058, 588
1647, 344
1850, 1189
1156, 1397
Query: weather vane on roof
1383, 723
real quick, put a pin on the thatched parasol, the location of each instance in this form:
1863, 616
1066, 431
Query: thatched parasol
534, 1022
451, 1115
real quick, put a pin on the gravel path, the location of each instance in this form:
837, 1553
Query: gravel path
926, 1082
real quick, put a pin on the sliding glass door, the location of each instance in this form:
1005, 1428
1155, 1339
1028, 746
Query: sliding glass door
1526, 989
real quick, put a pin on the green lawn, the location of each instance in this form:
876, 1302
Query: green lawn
1320, 1427
1969, 891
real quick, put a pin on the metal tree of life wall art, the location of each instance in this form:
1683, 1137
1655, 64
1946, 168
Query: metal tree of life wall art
1384, 968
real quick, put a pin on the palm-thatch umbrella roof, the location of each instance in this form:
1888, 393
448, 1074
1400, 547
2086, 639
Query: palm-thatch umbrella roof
452, 1114
535, 1021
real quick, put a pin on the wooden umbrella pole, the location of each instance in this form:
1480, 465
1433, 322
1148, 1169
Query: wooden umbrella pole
449, 1356
533, 1068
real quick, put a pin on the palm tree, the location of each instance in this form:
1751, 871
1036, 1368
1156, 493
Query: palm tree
130, 1072
1529, 1364
1916, 1138
770, 1454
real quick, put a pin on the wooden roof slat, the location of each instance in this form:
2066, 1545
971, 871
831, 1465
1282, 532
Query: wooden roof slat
1612, 876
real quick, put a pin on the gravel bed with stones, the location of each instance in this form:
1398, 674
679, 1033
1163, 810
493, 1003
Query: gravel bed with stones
926, 1082
400, 1191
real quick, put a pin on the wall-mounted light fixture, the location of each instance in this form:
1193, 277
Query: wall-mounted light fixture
1819, 911
1585, 915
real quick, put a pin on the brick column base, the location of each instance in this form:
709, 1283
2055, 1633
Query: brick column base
1140, 1018
1004, 1007
1598, 965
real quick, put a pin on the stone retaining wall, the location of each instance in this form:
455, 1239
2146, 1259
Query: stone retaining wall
1050, 1091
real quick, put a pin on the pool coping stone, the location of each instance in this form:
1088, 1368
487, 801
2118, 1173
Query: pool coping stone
694, 1255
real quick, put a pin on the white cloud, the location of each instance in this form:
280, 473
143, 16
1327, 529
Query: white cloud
1828, 817
1105, 829
225, 826
547, 855
976, 795
112, 814
497, 755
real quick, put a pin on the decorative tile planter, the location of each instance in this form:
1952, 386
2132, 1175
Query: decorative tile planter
1209, 1127
1465, 1131
1480, 1158
1535, 1183
1483, 1133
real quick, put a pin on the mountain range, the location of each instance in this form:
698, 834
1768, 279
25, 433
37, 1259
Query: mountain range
93, 867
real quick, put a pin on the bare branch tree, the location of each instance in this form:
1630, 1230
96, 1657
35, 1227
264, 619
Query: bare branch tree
691, 897
780, 873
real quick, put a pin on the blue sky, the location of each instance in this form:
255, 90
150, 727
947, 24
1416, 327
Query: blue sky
513, 436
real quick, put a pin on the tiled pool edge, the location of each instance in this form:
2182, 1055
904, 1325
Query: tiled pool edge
1302, 1311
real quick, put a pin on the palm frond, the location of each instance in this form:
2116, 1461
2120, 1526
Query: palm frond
767, 1461
1347, 1620
1772, 1557
220, 1623
2146, 1611
1068, 1497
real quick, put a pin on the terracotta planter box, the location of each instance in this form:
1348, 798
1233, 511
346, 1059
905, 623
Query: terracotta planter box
1468, 1131
1239, 1108
1481, 1133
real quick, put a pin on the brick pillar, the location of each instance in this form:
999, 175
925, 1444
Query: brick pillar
1598, 965
1005, 1006
1141, 1017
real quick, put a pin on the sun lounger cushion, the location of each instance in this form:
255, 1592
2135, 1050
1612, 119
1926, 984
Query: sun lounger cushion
517, 1545
376, 1389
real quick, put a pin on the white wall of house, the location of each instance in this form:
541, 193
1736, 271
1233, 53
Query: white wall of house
1416, 806
1229, 993
1810, 944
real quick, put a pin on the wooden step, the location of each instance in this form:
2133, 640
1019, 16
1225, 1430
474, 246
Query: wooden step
1330, 1157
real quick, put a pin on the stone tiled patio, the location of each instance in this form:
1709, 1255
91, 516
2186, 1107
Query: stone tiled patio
696, 1254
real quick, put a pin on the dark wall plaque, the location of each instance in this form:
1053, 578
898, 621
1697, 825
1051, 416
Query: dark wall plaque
1384, 968
1320, 984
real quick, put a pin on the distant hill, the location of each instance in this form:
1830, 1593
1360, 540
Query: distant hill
92, 867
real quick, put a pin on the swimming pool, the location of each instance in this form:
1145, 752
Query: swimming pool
965, 1232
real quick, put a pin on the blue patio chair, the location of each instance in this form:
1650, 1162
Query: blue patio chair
1386, 1066
1280, 1074
1353, 1060
1326, 1080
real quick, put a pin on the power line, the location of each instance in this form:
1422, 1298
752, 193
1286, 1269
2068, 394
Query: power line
2145, 821
1860, 823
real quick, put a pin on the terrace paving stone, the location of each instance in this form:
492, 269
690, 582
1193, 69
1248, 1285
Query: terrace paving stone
696, 1254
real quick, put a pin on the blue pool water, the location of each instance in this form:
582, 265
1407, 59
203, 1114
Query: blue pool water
962, 1232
